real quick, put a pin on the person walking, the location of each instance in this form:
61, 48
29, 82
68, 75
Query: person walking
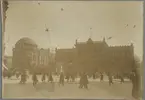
23, 78
101, 77
84, 81
50, 78
61, 79
121, 79
34, 79
110, 80
43, 78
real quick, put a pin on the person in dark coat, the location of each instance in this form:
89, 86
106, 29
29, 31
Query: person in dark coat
84, 81
23, 78
136, 88
121, 79
101, 77
17, 75
61, 79
81, 81
136, 80
34, 78
50, 79
73, 78
110, 79
43, 78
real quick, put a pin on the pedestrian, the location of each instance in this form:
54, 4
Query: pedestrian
81, 81
73, 78
43, 78
110, 80
34, 79
23, 78
94, 76
84, 81
121, 79
17, 75
101, 77
61, 79
50, 78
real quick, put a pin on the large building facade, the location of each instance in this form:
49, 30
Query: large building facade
26, 55
93, 56
64, 58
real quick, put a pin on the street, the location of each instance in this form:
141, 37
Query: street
97, 89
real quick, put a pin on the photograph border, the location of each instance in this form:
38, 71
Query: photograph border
2, 30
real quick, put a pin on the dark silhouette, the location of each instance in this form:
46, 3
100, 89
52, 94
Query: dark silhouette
34, 78
61, 79
43, 78
101, 77
23, 78
50, 78
83, 81
17, 75
121, 79
94, 76
62, 9
136, 79
110, 79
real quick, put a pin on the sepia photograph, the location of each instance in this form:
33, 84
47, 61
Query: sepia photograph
72, 49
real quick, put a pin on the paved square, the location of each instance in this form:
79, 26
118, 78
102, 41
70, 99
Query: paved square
12, 89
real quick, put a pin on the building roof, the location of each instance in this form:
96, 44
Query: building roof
27, 41
66, 50
121, 48
90, 41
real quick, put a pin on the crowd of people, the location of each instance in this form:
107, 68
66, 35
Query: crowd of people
83, 81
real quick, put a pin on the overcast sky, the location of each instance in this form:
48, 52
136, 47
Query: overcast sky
71, 20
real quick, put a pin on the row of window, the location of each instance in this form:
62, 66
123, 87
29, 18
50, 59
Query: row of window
41, 59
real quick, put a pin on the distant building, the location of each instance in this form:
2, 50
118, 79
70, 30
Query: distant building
26, 55
92, 56
23, 54
63, 57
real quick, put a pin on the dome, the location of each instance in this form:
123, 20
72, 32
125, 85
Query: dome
27, 41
